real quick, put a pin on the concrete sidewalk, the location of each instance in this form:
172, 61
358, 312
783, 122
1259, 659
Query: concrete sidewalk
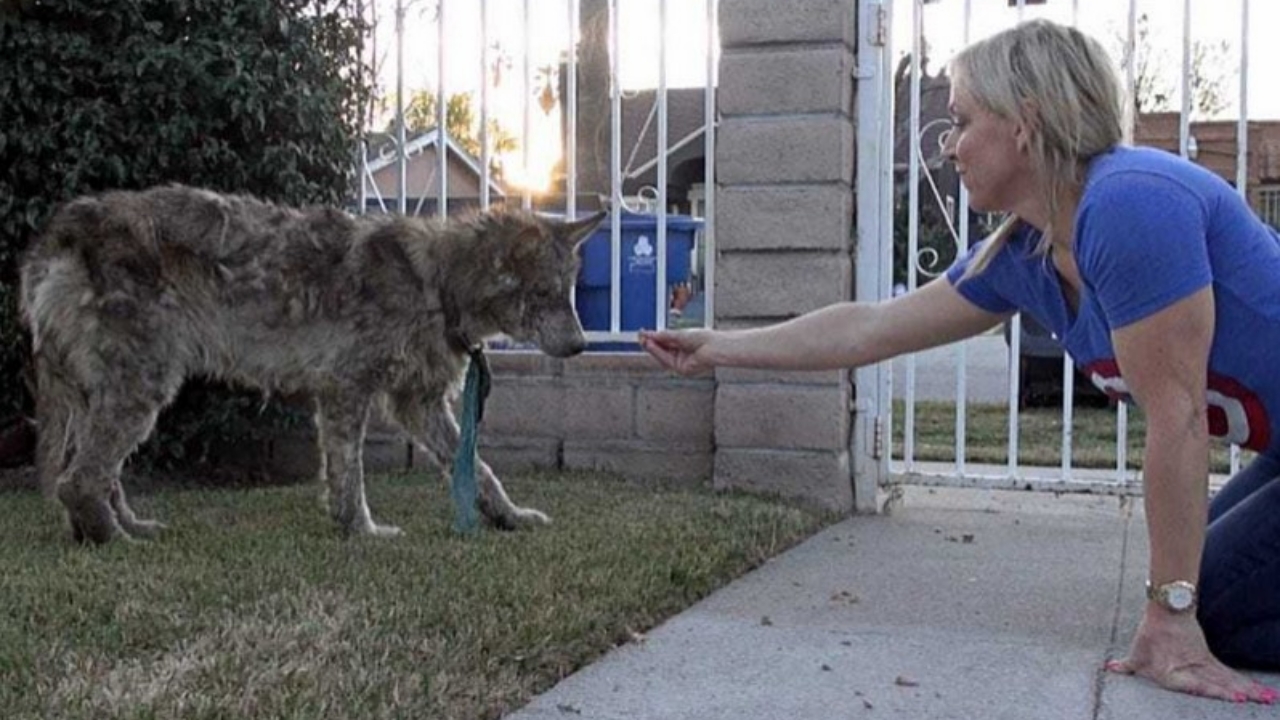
963, 604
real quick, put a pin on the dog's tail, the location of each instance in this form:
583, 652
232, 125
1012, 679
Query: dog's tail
56, 403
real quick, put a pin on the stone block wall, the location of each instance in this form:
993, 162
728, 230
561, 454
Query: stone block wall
606, 411
784, 237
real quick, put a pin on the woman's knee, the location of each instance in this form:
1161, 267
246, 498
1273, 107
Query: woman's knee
1243, 484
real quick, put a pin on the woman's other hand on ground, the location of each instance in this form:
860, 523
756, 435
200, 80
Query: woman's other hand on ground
680, 351
1171, 651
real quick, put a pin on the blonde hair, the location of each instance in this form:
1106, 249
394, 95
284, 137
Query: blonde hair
1062, 85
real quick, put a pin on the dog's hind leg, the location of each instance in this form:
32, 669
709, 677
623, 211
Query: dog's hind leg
90, 487
122, 400
436, 432
57, 402
340, 426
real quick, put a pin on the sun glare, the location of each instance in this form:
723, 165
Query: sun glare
536, 178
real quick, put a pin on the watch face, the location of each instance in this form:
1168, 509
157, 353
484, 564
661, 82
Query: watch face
1179, 598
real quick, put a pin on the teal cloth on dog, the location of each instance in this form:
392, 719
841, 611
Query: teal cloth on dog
466, 514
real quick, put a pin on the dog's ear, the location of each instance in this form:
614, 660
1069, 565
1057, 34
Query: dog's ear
525, 246
573, 233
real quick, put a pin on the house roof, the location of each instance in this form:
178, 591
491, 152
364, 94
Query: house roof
385, 156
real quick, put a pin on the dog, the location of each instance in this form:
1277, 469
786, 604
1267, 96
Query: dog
128, 294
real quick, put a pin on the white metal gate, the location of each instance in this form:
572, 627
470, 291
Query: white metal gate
893, 43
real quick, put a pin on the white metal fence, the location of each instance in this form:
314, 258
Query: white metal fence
898, 169
913, 180
542, 44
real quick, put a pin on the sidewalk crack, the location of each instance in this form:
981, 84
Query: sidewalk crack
1100, 672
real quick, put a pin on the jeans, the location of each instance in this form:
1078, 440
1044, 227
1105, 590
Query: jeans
1240, 570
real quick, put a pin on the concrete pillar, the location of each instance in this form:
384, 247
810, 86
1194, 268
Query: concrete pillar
785, 160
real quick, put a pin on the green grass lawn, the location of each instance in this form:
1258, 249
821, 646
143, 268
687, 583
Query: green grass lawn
253, 605
1039, 436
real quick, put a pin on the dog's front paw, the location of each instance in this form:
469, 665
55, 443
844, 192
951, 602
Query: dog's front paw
146, 529
517, 518
384, 531
529, 516
373, 529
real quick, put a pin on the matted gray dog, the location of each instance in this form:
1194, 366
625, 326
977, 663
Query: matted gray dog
127, 294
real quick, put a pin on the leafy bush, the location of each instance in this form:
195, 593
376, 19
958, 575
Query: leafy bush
249, 96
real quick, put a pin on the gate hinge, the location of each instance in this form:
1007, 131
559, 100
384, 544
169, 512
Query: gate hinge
866, 407
879, 32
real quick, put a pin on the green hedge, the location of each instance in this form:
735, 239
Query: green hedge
250, 96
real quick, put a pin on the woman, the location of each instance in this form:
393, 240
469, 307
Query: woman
1156, 276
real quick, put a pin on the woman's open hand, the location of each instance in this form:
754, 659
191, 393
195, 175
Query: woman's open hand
1171, 651
681, 351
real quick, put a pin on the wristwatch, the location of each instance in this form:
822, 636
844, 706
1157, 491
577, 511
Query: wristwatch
1178, 596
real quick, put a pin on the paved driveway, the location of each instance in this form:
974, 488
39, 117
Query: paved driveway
986, 362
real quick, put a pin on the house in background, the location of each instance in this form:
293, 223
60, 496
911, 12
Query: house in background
381, 177
1214, 145
686, 148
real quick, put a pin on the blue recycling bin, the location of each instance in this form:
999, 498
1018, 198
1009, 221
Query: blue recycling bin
639, 248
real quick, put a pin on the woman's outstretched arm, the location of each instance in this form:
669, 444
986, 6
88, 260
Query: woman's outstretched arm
847, 334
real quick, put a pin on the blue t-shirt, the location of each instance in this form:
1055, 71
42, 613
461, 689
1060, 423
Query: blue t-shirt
1152, 229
